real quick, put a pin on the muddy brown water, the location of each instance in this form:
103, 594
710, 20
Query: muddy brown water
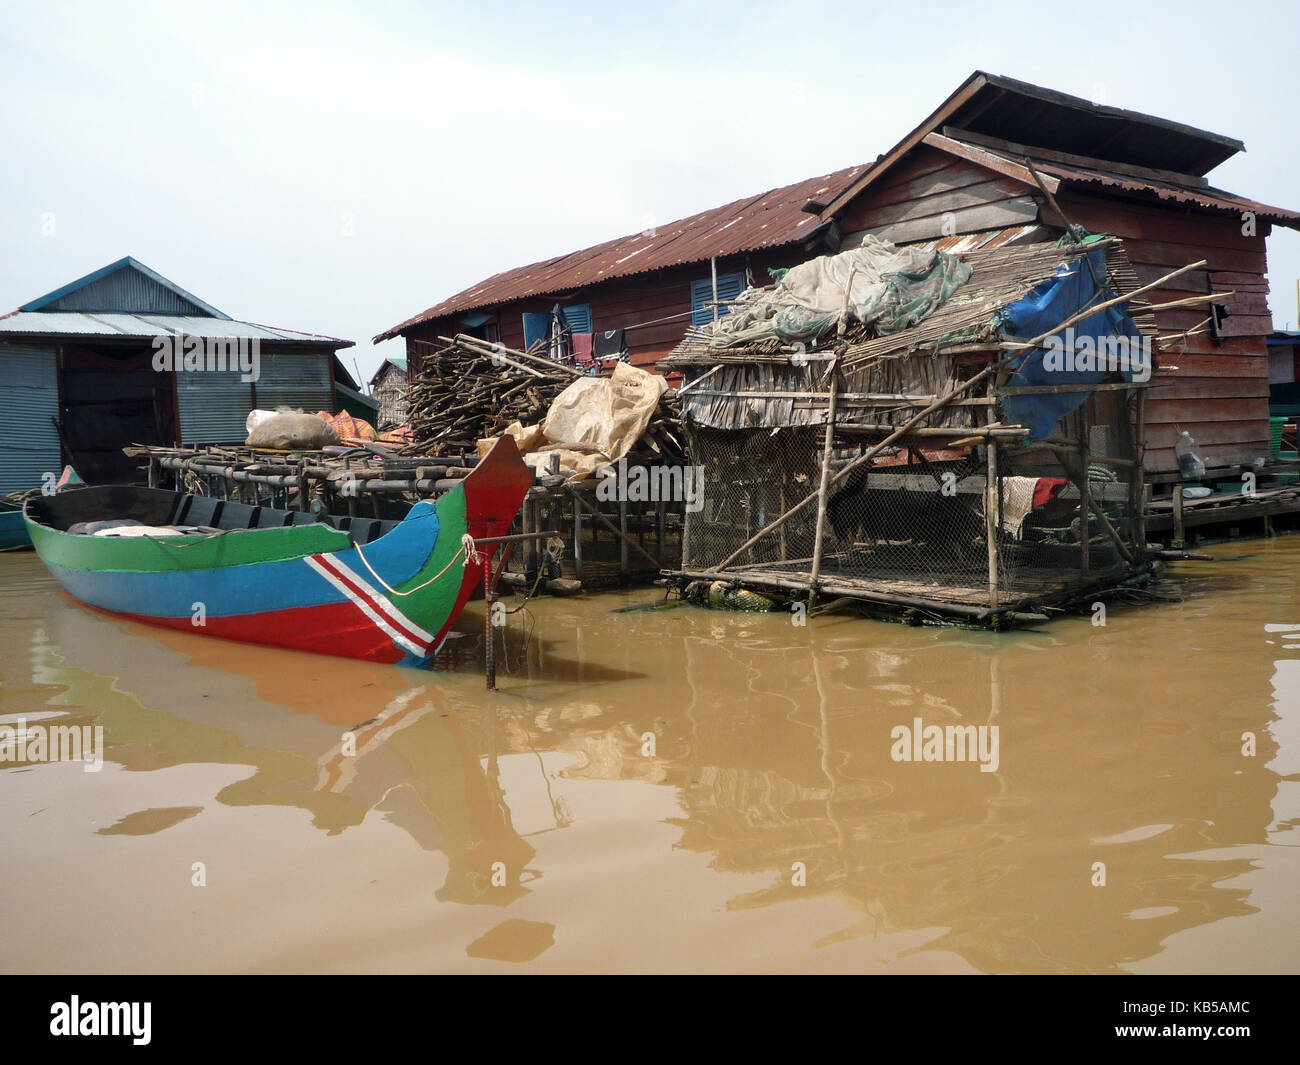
666, 790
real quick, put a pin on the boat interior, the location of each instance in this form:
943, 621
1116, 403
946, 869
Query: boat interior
158, 507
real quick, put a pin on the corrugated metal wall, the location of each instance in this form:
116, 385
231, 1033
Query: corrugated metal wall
290, 379
30, 390
127, 291
213, 406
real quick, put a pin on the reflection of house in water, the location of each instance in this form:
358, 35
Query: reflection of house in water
771, 766
997, 865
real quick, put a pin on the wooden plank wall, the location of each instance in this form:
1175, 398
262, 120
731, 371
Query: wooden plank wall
911, 202
1220, 390
623, 304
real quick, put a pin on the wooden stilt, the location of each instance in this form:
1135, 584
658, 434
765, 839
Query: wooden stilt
577, 540
624, 542
602, 520
661, 532
528, 519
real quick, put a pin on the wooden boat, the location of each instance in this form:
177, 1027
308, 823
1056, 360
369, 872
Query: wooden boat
13, 530
383, 591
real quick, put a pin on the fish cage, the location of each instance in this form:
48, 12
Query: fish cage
970, 523
937, 472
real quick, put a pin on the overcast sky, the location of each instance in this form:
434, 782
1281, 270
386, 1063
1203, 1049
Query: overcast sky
338, 168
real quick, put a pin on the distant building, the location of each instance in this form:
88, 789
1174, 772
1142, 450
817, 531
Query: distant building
123, 356
349, 397
1284, 373
388, 386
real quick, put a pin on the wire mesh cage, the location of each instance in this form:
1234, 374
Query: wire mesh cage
980, 521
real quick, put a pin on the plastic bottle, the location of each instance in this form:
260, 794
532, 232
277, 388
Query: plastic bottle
1190, 464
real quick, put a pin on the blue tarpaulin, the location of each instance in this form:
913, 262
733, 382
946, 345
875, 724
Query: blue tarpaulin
1051, 303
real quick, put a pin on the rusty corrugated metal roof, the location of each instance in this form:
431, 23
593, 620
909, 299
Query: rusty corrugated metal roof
983, 241
769, 220
1208, 197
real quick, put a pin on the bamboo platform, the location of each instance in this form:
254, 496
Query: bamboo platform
602, 543
958, 599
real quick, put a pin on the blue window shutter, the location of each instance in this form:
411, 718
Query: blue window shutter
729, 287
536, 327
579, 317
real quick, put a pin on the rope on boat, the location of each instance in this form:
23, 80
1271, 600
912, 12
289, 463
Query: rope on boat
471, 550
191, 541
467, 549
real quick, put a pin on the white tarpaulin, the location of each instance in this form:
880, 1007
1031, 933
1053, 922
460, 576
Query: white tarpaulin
593, 422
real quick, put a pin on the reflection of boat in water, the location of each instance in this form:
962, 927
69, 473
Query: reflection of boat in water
374, 590
337, 739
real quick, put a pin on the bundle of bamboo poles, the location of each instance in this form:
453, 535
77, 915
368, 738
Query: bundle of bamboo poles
469, 389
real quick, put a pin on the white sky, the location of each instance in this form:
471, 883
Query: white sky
231, 146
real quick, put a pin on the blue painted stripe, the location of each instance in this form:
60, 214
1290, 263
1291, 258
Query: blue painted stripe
254, 588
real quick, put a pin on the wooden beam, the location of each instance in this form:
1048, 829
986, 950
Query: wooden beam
1049, 155
990, 161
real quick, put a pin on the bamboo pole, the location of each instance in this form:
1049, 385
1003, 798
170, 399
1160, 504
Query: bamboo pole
993, 518
699, 380
1091, 309
1139, 475
1085, 491
823, 488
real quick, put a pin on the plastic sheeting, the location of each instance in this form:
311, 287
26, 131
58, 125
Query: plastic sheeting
893, 288
1047, 306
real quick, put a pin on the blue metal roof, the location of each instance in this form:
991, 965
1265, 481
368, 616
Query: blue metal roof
127, 263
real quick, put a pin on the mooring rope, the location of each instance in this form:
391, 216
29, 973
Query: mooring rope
467, 549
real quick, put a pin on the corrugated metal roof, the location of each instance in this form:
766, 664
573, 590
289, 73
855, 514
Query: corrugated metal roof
985, 241
1031, 114
769, 220
126, 285
1210, 197
117, 325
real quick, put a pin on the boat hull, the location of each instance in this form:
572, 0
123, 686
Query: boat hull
306, 587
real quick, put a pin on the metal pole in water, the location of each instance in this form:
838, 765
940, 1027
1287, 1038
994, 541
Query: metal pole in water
489, 646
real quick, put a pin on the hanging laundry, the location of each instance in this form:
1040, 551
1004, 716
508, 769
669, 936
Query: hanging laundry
611, 344
583, 344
